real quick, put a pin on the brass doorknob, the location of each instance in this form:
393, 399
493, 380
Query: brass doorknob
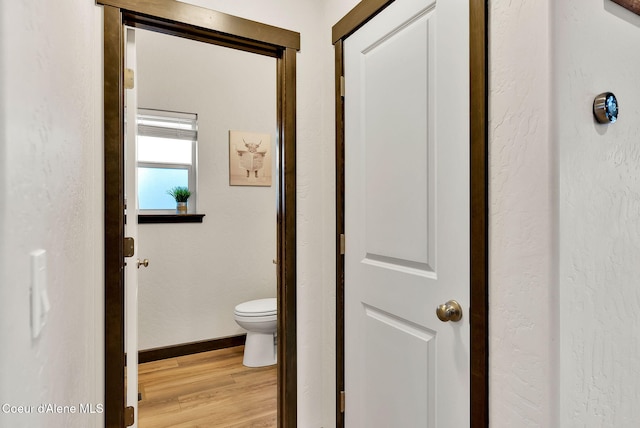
450, 311
144, 263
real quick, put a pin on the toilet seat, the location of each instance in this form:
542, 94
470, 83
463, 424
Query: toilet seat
257, 308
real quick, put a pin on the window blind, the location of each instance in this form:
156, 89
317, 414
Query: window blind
182, 126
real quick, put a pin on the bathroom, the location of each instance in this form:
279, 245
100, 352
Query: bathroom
199, 272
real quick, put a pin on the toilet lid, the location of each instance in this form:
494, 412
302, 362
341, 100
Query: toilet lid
258, 308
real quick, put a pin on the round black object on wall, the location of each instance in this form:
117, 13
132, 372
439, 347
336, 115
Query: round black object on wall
605, 108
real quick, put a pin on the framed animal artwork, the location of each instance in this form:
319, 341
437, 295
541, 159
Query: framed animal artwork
632, 5
250, 159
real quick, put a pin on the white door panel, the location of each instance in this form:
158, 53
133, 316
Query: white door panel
407, 216
396, 158
390, 340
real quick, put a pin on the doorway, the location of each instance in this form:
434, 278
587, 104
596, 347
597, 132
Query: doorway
183, 20
476, 313
198, 271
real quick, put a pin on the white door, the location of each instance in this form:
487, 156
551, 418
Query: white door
131, 230
407, 216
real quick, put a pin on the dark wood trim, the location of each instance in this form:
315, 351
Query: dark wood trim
155, 354
357, 17
169, 218
184, 20
199, 34
632, 5
339, 158
114, 218
479, 283
287, 367
479, 228
173, 15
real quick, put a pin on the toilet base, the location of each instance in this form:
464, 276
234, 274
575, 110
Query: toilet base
259, 350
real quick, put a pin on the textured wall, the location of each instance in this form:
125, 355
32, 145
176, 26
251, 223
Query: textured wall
564, 214
599, 207
522, 290
198, 273
51, 184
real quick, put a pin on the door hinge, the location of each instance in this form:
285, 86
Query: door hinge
129, 416
129, 247
128, 78
342, 244
342, 86
342, 402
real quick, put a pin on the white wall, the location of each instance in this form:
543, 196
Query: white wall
564, 215
599, 213
51, 174
198, 273
522, 286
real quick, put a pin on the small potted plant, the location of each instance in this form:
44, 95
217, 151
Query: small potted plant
180, 194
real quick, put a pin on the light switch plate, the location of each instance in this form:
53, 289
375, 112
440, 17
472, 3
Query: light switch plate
39, 298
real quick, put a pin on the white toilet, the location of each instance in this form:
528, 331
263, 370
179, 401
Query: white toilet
259, 318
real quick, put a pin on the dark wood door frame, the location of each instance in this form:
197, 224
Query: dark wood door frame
184, 20
479, 253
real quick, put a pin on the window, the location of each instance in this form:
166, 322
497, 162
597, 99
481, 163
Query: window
167, 157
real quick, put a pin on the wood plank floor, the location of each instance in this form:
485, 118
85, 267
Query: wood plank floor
209, 389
